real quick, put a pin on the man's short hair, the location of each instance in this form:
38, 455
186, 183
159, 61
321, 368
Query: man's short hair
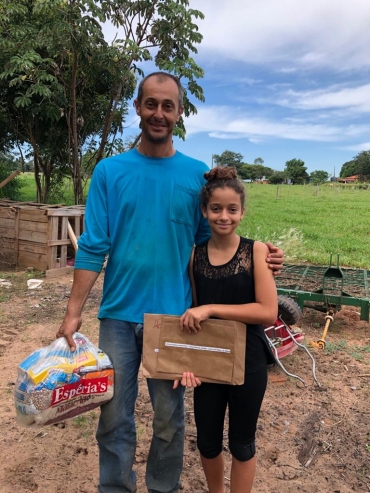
161, 76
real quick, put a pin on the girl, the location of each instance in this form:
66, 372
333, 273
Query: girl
232, 281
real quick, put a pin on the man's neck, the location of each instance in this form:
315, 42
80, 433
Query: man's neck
156, 150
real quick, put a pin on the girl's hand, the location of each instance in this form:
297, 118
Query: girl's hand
190, 320
188, 380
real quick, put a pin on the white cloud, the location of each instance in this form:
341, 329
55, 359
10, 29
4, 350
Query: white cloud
364, 146
228, 136
287, 70
357, 98
290, 33
225, 122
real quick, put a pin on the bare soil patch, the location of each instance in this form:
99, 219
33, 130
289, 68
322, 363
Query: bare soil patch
310, 439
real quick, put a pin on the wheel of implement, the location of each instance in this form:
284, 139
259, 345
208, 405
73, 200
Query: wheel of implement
288, 310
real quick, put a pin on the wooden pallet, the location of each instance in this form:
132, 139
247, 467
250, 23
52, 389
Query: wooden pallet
41, 236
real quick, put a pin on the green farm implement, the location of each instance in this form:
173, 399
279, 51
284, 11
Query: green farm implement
326, 289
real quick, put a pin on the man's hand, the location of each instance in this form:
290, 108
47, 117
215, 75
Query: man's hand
69, 326
190, 320
188, 380
83, 281
275, 258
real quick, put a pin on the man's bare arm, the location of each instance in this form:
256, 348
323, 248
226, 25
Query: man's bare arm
83, 281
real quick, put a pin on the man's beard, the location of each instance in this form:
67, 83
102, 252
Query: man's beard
154, 139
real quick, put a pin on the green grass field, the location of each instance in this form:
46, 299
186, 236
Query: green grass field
308, 222
28, 190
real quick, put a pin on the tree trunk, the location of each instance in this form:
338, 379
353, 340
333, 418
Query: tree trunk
36, 170
108, 120
77, 183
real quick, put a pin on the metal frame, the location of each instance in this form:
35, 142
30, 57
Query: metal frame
340, 286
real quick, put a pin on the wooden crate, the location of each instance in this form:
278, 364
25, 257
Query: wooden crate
39, 235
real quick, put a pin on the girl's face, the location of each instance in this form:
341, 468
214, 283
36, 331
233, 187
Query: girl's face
224, 211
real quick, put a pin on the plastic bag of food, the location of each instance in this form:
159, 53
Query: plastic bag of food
55, 384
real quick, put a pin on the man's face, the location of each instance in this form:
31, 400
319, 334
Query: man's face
159, 109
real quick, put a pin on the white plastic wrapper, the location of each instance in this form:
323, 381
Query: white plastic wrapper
55, 384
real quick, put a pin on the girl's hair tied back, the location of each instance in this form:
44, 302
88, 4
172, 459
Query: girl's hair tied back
221, 173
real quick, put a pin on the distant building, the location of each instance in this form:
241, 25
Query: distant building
348, 179
263, 180
258, 180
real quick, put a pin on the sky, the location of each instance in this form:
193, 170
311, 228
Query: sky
283, 79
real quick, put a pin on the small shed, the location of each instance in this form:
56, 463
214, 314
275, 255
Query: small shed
348, 179
41, 236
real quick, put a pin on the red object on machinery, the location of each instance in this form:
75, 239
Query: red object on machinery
281, 339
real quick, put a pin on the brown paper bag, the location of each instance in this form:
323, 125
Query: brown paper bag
215, 354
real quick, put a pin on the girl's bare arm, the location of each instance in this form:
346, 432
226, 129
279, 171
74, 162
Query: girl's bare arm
262, 311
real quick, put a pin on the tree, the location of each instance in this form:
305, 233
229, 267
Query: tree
296, 171
258, 160
264, 171
56, 81
66, 90
363, 165
360, 165
277, 177
317, 177
228, 158
254, 172
348, 169
244, 172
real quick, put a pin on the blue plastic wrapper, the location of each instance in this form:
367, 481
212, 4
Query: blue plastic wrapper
55, 384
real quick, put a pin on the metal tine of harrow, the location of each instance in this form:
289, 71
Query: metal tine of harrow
307, 351
282, 366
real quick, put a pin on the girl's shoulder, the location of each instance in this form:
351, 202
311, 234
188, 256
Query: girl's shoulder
260, 250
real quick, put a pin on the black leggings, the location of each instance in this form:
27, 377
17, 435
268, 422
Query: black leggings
244, 401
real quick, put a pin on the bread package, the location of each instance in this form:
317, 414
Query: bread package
55, 384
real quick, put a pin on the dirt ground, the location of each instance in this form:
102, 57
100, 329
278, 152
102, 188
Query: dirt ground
310, 439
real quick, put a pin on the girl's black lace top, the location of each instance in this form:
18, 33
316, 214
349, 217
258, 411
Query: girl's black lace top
232, 284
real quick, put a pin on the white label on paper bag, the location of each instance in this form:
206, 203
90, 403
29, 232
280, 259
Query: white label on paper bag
198, 348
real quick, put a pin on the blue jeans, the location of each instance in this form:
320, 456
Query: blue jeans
116, 434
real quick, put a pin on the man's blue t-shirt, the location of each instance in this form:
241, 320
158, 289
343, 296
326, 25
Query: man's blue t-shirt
145, 213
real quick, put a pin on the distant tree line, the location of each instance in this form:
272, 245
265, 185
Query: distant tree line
295, 170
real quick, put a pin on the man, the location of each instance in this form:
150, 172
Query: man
143, 209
